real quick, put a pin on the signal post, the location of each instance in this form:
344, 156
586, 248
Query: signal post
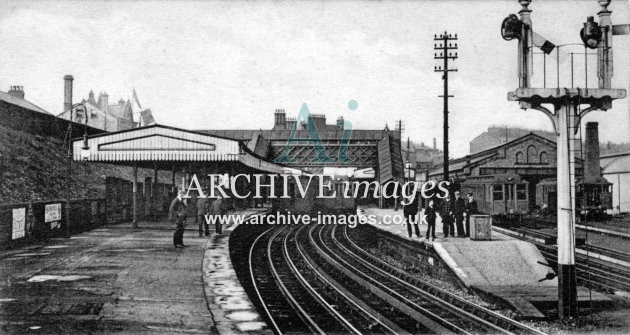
565, 107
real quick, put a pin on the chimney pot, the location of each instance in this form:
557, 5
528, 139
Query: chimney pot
16, 91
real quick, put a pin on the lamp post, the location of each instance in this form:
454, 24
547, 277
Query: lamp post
85, 148
565, 117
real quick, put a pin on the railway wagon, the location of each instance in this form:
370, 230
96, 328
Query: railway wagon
311, 203
592, 199
498, 194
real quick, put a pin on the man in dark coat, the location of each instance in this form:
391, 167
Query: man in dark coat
459, 208
410, 211
177, 215
446, 212
471, 209
216, 209
203, 207
430, 213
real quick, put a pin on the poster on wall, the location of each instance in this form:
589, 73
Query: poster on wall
52, 214
19, 220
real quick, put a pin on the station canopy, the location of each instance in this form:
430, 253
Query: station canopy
164, 147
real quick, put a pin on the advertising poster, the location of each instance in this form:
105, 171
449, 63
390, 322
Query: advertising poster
52, 214
19, 219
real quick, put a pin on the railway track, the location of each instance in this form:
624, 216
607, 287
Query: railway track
316, 279
591, 271
465, 315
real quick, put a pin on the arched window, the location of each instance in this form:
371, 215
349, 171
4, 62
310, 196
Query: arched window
543, 157
532, 157
519, 158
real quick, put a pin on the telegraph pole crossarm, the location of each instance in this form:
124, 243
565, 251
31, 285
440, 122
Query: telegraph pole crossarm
444, 51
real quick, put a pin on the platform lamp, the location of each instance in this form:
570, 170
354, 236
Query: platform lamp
69, 189
85, 149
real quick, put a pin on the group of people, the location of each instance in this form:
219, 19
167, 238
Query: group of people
455, 216
178, 211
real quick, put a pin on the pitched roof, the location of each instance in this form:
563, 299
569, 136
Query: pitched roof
122, 111
462, 162
284, 134
615, 163
21, 102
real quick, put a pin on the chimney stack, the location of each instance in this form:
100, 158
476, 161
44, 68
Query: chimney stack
67, 93
592, 170
434, 143
103, 101
340, 122
280, 119
16, 91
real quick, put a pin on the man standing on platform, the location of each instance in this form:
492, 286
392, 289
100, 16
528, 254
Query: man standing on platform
217, 211
471, 209
430, 212
203, 207
446, 212
177, 215
459, 208
410, 211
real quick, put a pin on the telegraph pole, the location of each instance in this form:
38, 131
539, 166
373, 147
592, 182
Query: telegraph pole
443, 51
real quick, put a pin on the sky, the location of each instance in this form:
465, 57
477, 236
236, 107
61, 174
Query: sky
229, 65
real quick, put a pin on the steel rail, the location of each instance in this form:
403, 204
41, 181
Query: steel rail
258, 294
430, 295
334, 285
311, 324
331, 310
425, 316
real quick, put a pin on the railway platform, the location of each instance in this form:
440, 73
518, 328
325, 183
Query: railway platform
124, 280
504, 267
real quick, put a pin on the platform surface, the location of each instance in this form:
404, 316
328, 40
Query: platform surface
501, 261
123, 280
504, 266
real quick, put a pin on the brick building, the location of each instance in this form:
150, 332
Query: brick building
497, 135
506, 175
421, 157
370, 154
103, 115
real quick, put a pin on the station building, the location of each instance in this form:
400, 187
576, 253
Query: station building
370, 155
519, 176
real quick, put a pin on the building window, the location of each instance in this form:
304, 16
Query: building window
531, 154
497, 192
519, 158
521, 192
543, 157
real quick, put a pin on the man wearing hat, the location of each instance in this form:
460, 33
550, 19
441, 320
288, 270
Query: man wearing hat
203, 207
471, 209
216, 209
177, 215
